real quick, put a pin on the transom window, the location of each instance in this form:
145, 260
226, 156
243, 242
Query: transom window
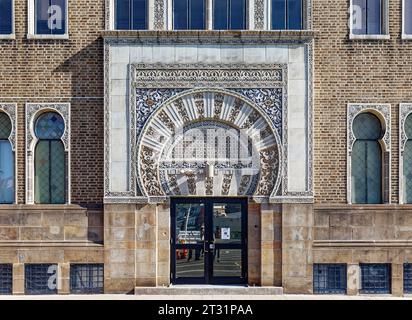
369, 17
50, 17
6, 17
189, 14
286, 14
367, 160
229, 14
130, 14
6, 161
50, 160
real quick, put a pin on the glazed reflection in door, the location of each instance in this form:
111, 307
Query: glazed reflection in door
209, 241
190, 229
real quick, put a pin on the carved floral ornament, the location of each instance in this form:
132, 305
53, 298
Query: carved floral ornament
382, 111
208, 142
10, 110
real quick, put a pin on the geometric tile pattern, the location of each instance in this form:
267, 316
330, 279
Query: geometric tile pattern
5, 126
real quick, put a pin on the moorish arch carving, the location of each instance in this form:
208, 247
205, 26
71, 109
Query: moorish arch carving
210, 142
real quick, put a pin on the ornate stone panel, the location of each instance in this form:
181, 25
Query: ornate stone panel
155, 85
259, 16
180, 157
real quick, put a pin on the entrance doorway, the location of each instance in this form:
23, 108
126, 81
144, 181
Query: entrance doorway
209, 240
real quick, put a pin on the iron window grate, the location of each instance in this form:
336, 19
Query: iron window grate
40, 278
329, 278
6, 279
375, 278
86, 278
407, 278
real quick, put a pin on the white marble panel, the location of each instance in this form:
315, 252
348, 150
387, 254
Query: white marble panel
209, 54
231, 54
277, 54
254, 54
185, 54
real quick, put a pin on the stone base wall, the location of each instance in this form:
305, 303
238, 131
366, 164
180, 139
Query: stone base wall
364, 234
49, 234
297, 222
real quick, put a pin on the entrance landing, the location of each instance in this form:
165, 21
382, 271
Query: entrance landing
208, 290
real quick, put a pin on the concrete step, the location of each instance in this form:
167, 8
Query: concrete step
208, 290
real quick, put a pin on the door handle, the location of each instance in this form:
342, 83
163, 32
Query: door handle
212, 246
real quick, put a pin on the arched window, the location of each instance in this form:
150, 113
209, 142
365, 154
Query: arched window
407, 161
367, 160
50, 160
6, 161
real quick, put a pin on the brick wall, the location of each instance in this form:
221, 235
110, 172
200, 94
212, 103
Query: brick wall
61, 71
353, 71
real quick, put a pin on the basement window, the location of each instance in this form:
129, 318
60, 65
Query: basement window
369, 19
6, 19
375, 278
86, 278
40, 279
48, 19
329, 278
407, 278
6, 279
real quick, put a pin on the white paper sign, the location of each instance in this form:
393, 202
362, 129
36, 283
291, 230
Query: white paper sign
225, 233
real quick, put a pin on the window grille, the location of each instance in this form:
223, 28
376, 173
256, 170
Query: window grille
6, 279
407, 278
86, 278
40, 278
375, 278
329, 278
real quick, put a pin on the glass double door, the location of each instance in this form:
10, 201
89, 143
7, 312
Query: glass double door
209, 241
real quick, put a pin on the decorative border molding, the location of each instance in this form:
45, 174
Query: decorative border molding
259, 14
33, 111
405, 109
11, 110
383, 112
159, 14
136, 37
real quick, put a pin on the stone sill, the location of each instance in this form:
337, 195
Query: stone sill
42, 207
369, 36
366, 207
215, 36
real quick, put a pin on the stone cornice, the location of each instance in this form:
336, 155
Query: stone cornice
211, 36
